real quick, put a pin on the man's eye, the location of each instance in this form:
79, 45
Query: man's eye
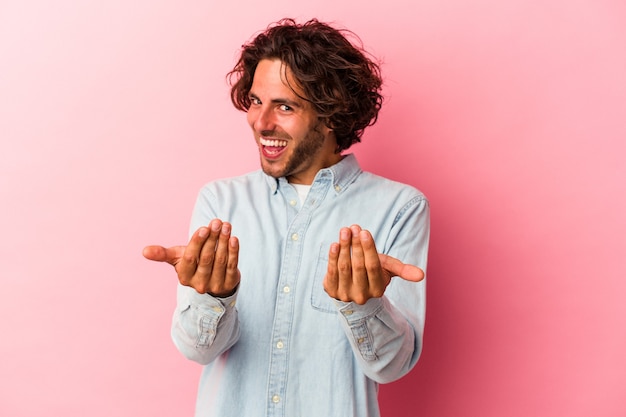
285, 107
254, 100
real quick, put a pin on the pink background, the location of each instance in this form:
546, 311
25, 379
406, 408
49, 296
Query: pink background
510, 115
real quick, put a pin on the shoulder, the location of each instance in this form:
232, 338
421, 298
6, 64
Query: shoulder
383, 187
234, 184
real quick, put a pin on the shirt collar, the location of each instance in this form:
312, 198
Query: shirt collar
342, 174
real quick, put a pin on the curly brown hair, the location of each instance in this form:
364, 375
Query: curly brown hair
336, 76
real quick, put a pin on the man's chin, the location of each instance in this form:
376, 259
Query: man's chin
272, 171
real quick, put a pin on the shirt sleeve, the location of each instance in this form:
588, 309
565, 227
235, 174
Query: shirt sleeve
386, 333
203, 326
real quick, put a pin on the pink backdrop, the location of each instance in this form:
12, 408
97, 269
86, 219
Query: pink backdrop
510, 116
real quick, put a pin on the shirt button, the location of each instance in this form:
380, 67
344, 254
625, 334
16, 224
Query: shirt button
361, 340
286, 289
292, 202
275, 399
348, 312
217, 309
294, 236
280, 344
337, 188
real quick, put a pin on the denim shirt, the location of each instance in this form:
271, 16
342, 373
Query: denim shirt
281, 346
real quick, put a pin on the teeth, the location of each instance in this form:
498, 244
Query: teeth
274, 143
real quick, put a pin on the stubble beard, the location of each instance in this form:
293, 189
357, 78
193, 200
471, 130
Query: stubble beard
303, 152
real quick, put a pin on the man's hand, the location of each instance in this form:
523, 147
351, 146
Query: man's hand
209, 261
357, 272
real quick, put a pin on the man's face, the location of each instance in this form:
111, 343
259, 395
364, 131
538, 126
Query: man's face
293, 142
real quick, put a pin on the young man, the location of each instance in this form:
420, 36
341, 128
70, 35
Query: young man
303, 319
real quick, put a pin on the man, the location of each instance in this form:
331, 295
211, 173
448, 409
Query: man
303, 319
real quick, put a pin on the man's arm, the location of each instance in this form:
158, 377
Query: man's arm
205, 321
383, 319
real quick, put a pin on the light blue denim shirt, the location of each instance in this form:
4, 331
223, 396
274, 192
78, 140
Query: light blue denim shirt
281, 346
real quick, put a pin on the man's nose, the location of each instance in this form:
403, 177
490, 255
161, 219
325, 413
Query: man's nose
264, 119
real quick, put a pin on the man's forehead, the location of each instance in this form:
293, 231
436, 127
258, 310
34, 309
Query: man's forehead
274, 71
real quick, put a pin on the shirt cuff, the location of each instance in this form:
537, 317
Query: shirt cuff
352, 311
209, 302
209, 312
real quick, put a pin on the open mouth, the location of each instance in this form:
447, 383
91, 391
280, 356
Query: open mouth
272, 148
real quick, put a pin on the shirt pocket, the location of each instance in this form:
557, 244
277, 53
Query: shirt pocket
320, 300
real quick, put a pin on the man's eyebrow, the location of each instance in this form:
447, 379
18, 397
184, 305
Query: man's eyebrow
279, 100
290, 103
